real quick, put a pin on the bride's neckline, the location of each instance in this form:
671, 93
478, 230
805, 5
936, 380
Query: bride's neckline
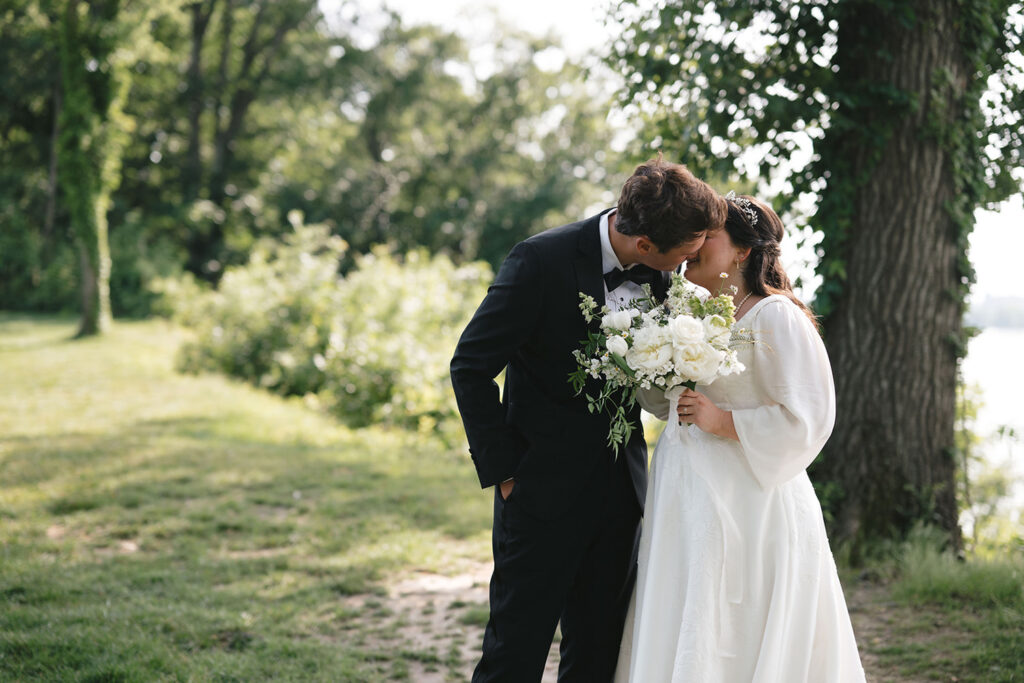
757, 304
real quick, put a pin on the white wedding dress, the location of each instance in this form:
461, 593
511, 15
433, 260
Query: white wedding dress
736, 580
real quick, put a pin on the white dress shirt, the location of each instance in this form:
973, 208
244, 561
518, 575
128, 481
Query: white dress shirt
609, 261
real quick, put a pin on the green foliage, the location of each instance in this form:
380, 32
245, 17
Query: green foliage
269, 321
983, 486
426, 149
89, 143
940, 616
373, 346
928, 573
240, 112
98, 41
394, 334
717, 81
725, 83
37, 269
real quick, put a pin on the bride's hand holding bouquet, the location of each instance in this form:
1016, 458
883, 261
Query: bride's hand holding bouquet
670, 346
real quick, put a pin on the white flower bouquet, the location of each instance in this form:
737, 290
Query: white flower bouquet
684, 341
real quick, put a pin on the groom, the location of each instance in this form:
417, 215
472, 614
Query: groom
566, 510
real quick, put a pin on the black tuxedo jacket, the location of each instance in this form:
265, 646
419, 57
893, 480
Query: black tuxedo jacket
538, 430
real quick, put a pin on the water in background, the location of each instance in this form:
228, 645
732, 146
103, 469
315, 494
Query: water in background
995, 363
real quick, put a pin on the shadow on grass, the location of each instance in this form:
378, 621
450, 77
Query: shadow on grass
196, 547
22, 331
367, 481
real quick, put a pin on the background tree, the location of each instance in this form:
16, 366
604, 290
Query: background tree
33, 223
242, 111
63, 135
421, 147
900, 119
89, 121
249, 44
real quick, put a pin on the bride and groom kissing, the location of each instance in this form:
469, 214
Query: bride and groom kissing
714, 564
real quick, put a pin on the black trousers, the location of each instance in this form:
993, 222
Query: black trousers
579, 569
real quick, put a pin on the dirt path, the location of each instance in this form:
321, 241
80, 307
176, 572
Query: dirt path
443, 618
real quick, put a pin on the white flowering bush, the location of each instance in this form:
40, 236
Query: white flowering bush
685, 340
396, 329
371, 347
269, 321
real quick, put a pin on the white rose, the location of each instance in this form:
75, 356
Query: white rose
617, 345
651, 350
716, 330
686, 329
619, 320
698, 362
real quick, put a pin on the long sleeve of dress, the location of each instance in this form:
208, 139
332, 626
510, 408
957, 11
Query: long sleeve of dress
781, 438
653, 401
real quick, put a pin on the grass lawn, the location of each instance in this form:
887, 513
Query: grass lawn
155, 526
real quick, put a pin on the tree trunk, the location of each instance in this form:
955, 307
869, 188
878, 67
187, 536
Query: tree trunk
891, 333
49, 215
83, 156
192, 177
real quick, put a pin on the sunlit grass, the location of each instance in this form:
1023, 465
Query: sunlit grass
155, 526
954, 619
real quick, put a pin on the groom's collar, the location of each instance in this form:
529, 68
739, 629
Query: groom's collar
609, 259
588, 258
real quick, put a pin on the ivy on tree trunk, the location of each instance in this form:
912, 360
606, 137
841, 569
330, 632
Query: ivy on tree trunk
89, 149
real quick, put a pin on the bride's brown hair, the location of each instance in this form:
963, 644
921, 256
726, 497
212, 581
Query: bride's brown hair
763, 274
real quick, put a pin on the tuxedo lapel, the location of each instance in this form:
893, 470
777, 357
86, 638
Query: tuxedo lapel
589, 278
661, 285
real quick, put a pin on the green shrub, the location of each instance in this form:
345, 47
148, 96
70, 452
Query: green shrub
373, 346
269, 321
399, 321
928, 573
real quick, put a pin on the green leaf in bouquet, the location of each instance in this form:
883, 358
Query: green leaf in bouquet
620, 362
578, 378
620, 430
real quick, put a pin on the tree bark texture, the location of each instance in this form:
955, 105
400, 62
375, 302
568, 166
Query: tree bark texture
891, 332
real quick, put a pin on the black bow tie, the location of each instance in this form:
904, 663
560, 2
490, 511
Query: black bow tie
640, 274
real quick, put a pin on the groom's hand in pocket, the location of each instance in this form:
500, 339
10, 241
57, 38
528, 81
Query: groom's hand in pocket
506, 488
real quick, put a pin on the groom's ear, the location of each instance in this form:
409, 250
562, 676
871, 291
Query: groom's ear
644, 245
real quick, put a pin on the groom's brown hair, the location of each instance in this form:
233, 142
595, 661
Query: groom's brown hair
668, 205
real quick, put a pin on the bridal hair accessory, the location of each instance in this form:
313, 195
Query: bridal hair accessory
744, 205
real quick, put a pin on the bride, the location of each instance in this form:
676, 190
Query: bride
736, 581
